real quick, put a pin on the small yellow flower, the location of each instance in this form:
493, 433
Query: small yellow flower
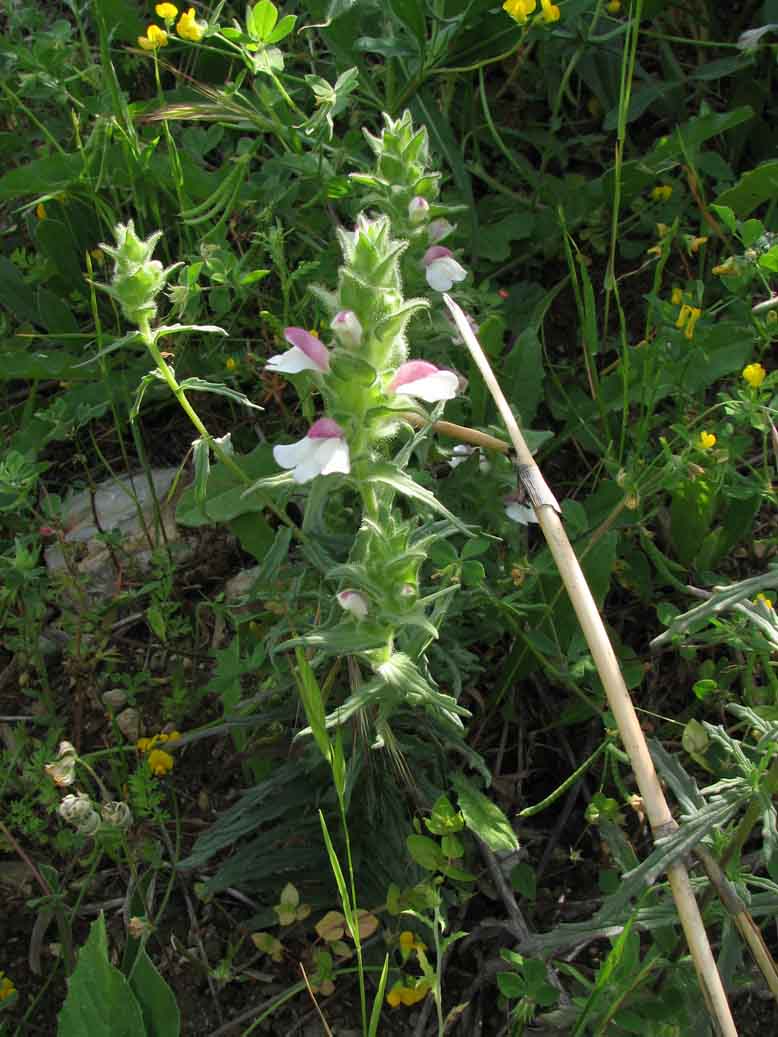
677, 297
160, 762
613, 7
40, 211
662, 193
154, 38
706, 440
519, 10
230, 363
189, 28
551, 12
687, 319
754, 374
661, 230
695, 244
7, 989
763, 600
167, 12
725, 269
409, 943
400, 994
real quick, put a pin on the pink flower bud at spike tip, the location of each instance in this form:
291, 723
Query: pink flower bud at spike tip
424, 381
306, 354
443, 271
353, 602
347, 328
418, 208
323, 451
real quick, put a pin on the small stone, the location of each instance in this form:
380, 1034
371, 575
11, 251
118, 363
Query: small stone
128, 722
114, 698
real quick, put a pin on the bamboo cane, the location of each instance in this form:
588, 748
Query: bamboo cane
657, 810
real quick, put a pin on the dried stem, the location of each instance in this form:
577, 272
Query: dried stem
633, 739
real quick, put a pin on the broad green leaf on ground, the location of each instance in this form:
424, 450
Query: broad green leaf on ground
100, 1001
157, 1001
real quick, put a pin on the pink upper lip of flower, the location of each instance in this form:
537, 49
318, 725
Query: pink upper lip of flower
412, 371
436, 252
325, 428
310, 345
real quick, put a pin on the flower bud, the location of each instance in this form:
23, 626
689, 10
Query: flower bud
117, 814
137, 278
347, 328
438, 230
62, 771
418, 209
354, 602
77, 810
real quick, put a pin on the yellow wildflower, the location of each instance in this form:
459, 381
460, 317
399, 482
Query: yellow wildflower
154, 38
519, 10
7, 989
40, 211
230, 363
706, 440
763, 600
551, 12
677, 297
725, 269
754, 374
160, 762
189, 28
662, 193
694, 244
402, 994
167, 12
661, 230
687, 319
409, 943
613, 7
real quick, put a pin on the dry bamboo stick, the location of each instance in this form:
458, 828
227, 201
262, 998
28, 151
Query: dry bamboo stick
657, 810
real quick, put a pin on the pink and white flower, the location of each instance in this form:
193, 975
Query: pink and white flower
306, 354
347, 328
424, 381
442, 269
354, 602
323, 451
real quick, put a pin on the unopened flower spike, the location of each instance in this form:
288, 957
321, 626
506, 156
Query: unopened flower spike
322, 452
307, 354
424, 381
442, 270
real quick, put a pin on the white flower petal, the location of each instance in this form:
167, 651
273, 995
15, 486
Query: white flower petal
291, 362
443, 273
289, 455
520, 513
333, 456
432, 388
